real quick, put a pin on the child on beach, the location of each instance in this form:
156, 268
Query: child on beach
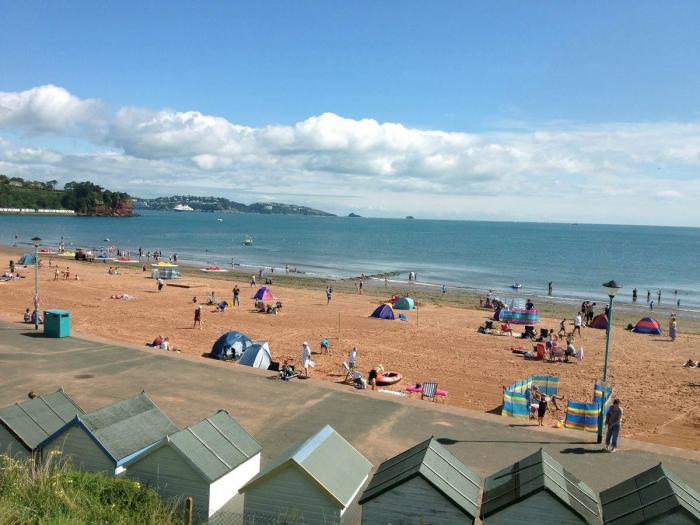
198, 317
329, 294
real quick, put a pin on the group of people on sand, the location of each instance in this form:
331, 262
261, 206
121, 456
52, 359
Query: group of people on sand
163, 343
66, 274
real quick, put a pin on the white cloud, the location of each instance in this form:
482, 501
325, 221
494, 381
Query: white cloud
560, 171
47, 109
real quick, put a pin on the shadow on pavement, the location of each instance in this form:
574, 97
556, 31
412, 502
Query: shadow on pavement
450, 441
581, 450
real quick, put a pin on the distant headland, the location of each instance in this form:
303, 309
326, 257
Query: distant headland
191, 203
22, 196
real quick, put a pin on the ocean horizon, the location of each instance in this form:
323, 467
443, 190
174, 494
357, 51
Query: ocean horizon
471, 254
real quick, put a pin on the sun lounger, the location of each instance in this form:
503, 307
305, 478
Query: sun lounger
425, 389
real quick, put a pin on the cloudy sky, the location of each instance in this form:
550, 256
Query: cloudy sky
587, 114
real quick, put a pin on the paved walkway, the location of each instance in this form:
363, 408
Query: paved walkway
280, 413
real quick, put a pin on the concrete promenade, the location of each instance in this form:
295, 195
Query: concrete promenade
279, 414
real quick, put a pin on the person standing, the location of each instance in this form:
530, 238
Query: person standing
678, 303
252, 280
306, 358
673, 327
362, 283
197, 316
658, 297
577, 324
549, 287
236, 295
613, 420
651, 305
352, 357
329, 294
161, 283
634, 295
648, 296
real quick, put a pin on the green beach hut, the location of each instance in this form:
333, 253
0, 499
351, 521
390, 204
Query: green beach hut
424, 484
654, 496
104, 440
313, 483
209, 462
25, 425
537, 489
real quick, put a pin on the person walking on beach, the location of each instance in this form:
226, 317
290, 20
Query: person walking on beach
634, 295
613, 420
329, 294
658, 297
306, 361
55, 274
549, 288
651, 305
386, 282
648, 296
678, 303
161, 283
197, 317
362, 283
236, 295
562, 327
66, 275
252, 280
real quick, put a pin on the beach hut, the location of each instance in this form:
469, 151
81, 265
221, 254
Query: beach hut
424, 484
313, 483
104, 440
383, 311
264, 294
655, 496
600, 322
27, 260
231, 345
648, 325
537, 489
257, 355
208, 462
24, 425
404, 303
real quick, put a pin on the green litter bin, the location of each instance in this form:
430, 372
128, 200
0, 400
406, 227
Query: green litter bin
56, 323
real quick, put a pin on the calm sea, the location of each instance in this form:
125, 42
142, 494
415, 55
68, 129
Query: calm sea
577, 258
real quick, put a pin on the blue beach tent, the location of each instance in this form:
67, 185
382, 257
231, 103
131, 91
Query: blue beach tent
27, 259
648, 325
383, 311
404, 303
231, 345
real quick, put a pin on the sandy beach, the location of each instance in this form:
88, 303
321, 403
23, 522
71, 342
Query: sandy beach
439, 342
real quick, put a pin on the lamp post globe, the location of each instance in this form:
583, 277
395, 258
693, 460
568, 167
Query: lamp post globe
611, 288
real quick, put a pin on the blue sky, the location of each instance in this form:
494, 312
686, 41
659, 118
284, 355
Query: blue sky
498, 72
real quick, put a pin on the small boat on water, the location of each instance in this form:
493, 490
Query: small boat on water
516, 286
220, 220
248, 241
213, 269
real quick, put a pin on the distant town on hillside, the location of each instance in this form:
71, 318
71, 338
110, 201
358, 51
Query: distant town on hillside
190, 203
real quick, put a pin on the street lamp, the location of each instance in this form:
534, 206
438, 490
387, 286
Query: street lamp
35, 242
611, 288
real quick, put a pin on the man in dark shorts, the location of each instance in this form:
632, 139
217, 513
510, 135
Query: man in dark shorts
236, 293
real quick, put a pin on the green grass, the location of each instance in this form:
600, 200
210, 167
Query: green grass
54, 494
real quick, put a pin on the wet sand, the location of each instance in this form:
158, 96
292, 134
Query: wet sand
439, 342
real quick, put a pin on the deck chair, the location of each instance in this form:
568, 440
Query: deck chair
348, 373
429, 391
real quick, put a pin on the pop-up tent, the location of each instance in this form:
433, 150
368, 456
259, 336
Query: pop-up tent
257, 355
231, 345
404, 303
27, 259
648, 325
263, 294
600, 322
383, 311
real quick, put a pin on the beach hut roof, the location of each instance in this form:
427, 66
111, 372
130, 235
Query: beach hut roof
33, 420
437, 466
316, 457
124, 428
647, 496
533, 474
213, 447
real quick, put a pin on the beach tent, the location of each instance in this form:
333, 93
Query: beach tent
383, 311
648, 325
27, 259
517, 316
405, 303
600, 321
257, 355
424, 484
231, 345
263, 294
